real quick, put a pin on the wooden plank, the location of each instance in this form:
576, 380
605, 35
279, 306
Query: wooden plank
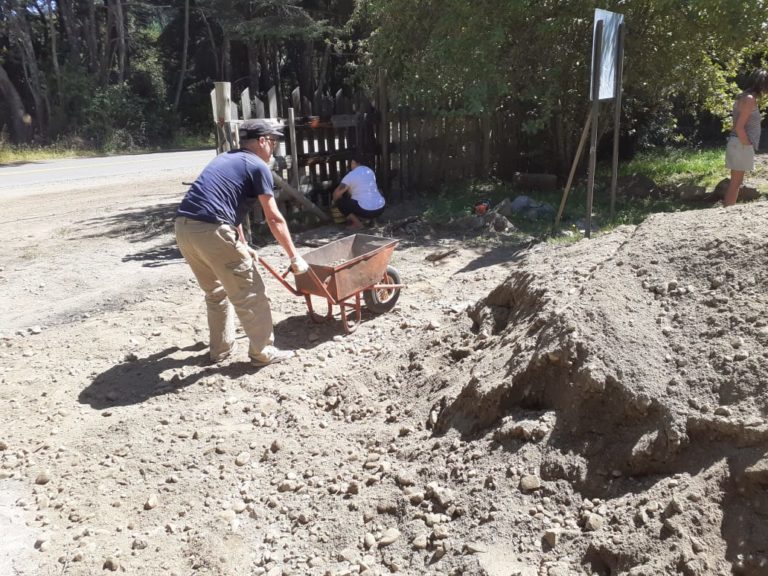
245, 103
316, 159
223, 117
409, 126
486, 132
309, 150
296, 196
383, 106
258, 108
272, 102
322, 148
294, 147
215, 119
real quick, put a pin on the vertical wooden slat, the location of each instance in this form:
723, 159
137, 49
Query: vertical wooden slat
294, 148
410, 137
272, 102
401, 155
245, 103
486, 133
223, 106
258, 108
383, 106
322, 148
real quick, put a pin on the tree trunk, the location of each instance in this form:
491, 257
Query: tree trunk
91, 38
183, 67
121, 43
212, 40
54, 44
322, 73
278, 82
108, 51
306, 72
22, 37
226, 67
67, 13
266, 80
19, 132
253, 67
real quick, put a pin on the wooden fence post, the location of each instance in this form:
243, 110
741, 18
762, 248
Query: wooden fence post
384, 132
245, 103
294, 147
485, 127
227, 138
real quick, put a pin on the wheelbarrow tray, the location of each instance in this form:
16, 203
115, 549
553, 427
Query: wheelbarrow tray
346, 266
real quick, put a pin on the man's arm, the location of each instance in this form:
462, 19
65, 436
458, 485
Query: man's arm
277, 224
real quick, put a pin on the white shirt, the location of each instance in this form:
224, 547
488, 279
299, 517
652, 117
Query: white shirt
362, 187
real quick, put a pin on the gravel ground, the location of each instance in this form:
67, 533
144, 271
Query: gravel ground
597, 408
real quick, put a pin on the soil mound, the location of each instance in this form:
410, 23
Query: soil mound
637, 359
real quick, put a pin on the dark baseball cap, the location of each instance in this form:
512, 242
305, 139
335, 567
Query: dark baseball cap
252, 129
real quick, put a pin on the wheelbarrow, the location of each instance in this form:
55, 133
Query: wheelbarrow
348, 272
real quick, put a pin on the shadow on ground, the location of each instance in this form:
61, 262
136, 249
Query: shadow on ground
167, 371
163, 255
139, 379
139, 225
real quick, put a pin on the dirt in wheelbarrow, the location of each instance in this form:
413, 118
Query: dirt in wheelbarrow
527, 409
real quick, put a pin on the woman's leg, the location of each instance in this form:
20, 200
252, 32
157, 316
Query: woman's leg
350, 208
732, 194
353, 222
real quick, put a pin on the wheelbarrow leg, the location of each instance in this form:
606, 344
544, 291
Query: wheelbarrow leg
349, 328
315, 316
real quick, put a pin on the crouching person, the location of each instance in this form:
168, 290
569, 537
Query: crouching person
358, 197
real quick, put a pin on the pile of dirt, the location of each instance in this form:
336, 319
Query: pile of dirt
634, 366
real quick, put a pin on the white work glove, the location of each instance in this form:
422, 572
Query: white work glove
299, 265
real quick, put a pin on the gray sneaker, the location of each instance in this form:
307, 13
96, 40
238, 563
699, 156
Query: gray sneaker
271, 355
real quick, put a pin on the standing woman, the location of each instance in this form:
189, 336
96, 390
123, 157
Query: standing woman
745, 134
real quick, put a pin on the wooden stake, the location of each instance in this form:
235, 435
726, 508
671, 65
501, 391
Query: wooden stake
576, 161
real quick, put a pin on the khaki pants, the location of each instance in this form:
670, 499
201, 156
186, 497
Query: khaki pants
227, 273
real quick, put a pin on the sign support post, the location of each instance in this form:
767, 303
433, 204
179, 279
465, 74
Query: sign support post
617, 116
595, 115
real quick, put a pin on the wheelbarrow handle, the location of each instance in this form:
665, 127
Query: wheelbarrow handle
294, 291
280, 278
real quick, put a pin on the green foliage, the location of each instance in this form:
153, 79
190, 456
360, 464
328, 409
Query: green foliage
533, 58
669, 167
666, 167
116, 119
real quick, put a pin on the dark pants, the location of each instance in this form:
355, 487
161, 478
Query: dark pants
347, 206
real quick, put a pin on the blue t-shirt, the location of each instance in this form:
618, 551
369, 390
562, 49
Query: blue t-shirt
228, 188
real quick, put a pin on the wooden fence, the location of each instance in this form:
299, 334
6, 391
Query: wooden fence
428, 149
314, 155
411, 150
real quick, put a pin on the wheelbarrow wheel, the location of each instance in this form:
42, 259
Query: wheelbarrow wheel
381, 300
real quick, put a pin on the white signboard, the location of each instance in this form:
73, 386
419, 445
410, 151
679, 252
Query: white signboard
608, 51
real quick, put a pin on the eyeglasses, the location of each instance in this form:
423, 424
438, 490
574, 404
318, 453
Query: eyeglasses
273, 142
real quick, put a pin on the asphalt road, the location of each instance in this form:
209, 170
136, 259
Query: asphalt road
16, 180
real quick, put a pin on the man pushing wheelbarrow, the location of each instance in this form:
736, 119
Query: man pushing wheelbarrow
209, 234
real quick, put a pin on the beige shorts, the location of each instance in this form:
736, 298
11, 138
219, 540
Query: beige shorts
739, 156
